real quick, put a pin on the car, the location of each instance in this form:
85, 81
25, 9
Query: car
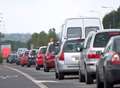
12, 58
108, 68
49, 59
91, 53
66, 62
24, 58
40, 56
31, 57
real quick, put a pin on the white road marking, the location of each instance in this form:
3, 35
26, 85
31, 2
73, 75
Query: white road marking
40, 84
8, 76
46, 81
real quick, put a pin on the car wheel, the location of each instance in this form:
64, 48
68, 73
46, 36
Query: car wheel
28, 65
98, 82
88, 78
46, 69
60, 76
37, 68
106, 83
56, 75
81, 77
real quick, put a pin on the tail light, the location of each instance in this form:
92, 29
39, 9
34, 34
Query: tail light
50, 56
61, 56
96, 56
115, 59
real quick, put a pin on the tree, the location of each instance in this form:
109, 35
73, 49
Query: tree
52, 35
112, 19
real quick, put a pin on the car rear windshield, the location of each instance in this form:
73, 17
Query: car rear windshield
101, 39
74, 32
89, 29
116, 45
43, 50
72, 45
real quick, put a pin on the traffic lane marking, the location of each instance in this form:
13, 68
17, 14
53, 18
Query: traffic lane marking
8, 76
40, 84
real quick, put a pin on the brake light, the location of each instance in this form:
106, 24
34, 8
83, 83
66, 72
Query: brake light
115, 59
96, 56
62, 56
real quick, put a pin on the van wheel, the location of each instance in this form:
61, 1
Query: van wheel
81, 77
88, 78
60, 76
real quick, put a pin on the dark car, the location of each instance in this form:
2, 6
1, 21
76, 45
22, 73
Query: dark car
12, 58
108, 68
31, 58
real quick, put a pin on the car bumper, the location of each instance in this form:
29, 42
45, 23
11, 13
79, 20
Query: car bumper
61, 67
50, 63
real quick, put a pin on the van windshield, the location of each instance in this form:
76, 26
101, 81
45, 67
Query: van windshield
101, 39
89, 29
72, 45
74, 32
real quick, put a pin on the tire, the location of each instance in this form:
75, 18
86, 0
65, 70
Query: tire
106, 83
88, 78
98, 82
81, 77
28, 65
37, 68
56, 75
46, 69
60, 76
22, 65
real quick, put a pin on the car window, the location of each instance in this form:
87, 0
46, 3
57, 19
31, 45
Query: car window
101, 39
71, 46
116, 46
43, 50
89, 29
74, 32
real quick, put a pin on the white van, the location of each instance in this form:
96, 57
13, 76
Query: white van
80, 27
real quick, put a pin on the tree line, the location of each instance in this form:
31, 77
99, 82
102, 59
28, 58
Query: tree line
112, 19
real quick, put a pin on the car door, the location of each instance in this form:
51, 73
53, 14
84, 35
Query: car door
84, 52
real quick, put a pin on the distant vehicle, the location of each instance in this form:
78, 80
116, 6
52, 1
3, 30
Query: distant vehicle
6, 50
31, 57
12, 58
24, 58
108, 68
80, 27
66, 62
91, 53
21, 50
49, 59
40, 57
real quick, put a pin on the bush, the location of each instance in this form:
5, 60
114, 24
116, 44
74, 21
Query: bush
1, 58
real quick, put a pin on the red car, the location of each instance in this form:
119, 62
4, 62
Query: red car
40, 56
49, 59
24, 58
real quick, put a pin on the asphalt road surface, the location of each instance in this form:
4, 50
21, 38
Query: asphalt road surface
13, 76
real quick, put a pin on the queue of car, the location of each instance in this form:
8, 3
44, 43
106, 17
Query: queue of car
87, 51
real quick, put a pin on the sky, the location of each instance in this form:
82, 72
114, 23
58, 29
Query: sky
29, 16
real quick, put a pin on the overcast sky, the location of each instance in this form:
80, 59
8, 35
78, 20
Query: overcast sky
29, 16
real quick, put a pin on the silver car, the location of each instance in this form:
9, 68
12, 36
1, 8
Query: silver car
91, 53
66, 62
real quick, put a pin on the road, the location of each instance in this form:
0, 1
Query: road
12, 76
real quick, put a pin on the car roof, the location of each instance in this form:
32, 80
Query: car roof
108, 30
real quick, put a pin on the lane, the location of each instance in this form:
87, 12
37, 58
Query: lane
12, 79
48, 78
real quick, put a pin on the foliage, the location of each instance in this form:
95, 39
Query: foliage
42, 38
112, 19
